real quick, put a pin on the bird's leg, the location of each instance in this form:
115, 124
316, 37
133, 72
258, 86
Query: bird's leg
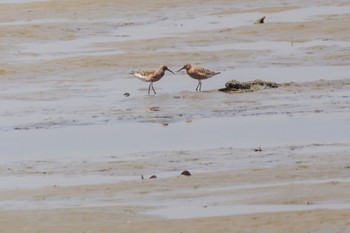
153, 89
199, 86
149, 87
199, 83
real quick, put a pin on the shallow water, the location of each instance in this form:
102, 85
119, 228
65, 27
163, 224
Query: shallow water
122, 138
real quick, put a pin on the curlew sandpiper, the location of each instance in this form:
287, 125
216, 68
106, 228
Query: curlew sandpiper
198, 73
151, 76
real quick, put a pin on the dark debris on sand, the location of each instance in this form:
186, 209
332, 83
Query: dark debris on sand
237, 86
261, 20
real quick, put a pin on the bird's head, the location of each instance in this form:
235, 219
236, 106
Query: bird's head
164, 68
187, 67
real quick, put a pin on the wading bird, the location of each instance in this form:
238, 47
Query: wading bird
198, 73
151, 76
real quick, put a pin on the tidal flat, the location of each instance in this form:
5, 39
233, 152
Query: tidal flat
77, 152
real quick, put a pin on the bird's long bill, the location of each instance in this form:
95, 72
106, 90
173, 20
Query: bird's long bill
169, 70
180, 69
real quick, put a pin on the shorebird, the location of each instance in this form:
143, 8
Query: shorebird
151, 76
198, 73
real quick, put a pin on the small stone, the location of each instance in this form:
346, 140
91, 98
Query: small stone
153, 177
186, 173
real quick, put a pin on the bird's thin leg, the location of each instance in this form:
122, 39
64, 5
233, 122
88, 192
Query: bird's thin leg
149, 88
153, 89
200, 85
199, 82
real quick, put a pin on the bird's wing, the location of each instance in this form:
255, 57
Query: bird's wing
205, 72
143, 74
202, 71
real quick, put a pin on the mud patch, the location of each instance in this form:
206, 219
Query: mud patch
235, 86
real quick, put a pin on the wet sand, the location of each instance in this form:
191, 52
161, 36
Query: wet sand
296, 188
74, 148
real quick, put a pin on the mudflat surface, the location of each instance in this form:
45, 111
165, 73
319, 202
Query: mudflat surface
74, 147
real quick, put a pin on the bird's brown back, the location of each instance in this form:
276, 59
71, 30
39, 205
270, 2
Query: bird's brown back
200, 73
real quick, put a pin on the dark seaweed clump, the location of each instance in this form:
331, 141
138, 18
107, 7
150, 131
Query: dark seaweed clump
255, 85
